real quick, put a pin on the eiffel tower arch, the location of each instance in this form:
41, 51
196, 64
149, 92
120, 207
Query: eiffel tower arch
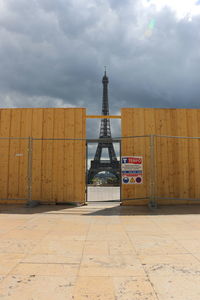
98, 165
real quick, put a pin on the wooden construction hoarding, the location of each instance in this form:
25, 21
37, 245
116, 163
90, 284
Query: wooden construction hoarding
177, 161
58, 165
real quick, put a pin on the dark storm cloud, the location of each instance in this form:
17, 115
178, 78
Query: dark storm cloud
53, 54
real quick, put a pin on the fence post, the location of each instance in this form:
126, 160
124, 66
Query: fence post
86, 179
30, 152
152, 202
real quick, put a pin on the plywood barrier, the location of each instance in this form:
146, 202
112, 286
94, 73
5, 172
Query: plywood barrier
177, 161
58, 162
58, 165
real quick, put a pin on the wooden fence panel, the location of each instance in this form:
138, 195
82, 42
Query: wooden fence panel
25, 131
37, 132
13, 173
5, 117
58, 166
47, 155
177, 160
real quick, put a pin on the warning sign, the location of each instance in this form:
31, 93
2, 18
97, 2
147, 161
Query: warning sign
132, 169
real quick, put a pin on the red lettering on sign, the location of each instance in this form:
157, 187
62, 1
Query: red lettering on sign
134, 160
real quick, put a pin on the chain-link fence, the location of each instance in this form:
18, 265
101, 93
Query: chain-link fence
15, 169
44, 170
58, 170
176, 165
54, 170
169, 173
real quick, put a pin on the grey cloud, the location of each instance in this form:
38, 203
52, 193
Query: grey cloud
53, 52
15, 100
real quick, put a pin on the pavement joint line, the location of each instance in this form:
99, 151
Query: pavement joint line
195, 257
84, 245
110, 219
137, 255
177, 242
8, 274
171, 236
15, 227
48, 263
168, 254
190, 253
26, 254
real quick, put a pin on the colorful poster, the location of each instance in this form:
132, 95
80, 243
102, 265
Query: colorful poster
132, 169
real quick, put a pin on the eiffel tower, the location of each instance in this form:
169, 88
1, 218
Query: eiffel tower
111, 165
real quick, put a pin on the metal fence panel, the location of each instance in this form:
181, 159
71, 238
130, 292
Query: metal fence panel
54, 170
58, 170
14, 170
177, 161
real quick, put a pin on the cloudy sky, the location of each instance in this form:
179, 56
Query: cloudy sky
53, 53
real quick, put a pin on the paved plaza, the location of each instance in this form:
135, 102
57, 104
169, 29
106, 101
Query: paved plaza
99, 252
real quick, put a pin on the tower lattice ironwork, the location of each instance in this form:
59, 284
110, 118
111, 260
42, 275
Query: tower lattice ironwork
111, 165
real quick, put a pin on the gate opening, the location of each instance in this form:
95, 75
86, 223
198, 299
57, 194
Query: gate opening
103, 159
105, 184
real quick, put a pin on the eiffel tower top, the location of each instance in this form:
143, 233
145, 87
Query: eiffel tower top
105, 78
105, 131
105, 106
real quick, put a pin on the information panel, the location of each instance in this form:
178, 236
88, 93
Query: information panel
132, 169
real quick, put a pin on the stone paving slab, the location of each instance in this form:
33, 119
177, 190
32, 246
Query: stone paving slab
31, 286
99, 252
133, 288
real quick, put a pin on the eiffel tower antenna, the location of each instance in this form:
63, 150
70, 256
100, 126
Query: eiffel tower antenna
112, 164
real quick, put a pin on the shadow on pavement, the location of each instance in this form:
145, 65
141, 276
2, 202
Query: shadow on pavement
43, 208
101, 209
144, 210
